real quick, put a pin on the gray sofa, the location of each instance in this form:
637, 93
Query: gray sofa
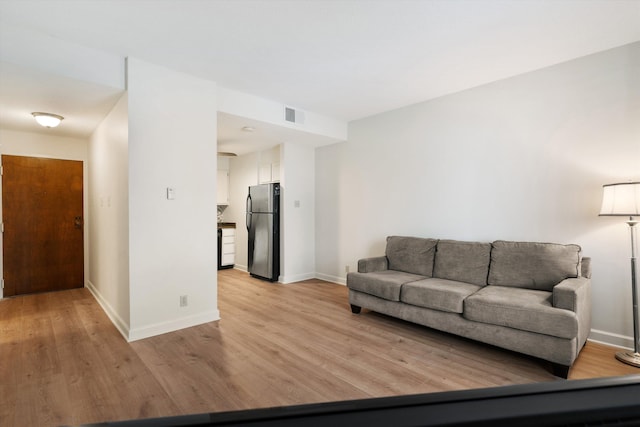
533, 298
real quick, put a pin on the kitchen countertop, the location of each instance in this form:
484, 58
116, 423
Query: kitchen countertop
226, 225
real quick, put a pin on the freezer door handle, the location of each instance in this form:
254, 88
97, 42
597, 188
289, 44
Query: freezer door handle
248, 218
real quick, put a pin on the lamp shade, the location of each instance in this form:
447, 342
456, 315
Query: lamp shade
621, 199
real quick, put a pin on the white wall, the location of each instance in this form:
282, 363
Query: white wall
109, 210
521, 159
172, 243
298, 212
53, 147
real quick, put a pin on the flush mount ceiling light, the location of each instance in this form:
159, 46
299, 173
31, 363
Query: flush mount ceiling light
47, 120
248, 128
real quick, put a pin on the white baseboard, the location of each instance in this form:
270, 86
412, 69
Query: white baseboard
117, 321
292, 278
151, 330
300, 277
610, 338
173, 325
334, 279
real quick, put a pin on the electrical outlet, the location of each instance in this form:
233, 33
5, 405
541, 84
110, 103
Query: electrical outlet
183, 301
346, 268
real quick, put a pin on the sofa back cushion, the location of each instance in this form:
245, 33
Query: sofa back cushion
462, 261
411, 254
532, 265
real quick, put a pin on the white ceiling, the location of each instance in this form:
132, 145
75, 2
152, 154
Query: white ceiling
344, 59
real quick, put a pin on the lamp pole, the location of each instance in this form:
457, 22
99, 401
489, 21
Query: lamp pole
625, 356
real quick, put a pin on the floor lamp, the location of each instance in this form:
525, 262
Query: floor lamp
623, 199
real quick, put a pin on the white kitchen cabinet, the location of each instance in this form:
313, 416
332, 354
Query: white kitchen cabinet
269, 172
223, 187
275, 172
228, 257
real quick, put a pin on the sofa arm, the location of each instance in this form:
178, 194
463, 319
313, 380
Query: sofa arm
368, 265
585, 267
572, 294
575, 295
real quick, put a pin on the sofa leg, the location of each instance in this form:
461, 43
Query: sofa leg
561, 371
355, 309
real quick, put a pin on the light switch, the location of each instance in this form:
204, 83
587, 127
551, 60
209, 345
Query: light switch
296, 203
171, 193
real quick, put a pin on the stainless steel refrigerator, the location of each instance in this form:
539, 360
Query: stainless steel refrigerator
263, 226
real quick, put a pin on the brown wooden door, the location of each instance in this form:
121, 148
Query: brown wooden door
43, 246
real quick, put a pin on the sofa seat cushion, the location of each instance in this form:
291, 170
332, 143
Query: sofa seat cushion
524, 309
462, 261
411, 254
438, 294
383, 284
532, 265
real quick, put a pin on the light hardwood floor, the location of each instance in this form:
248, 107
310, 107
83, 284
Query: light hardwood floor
63, 363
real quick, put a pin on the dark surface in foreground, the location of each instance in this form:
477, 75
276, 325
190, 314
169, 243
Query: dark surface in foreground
597, 402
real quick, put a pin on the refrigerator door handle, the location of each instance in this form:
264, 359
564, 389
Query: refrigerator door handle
248, 218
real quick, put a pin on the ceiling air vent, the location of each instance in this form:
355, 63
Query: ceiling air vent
293, 116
